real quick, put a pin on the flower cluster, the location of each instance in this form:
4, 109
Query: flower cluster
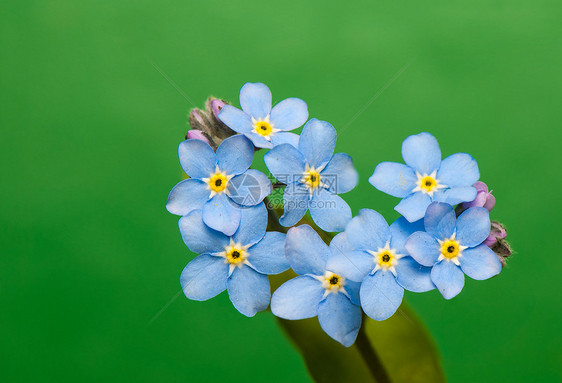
368, 264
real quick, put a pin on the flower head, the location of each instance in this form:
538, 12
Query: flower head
266, 127
454, 246
238, 263
320, 289
219, 184
425, 178
314, 177
374, 254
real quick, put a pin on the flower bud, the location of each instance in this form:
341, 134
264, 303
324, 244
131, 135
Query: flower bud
207, 122
484, 198
215, 106
497, 232
195, 134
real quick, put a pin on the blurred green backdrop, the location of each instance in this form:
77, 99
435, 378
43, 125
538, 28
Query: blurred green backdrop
89, 132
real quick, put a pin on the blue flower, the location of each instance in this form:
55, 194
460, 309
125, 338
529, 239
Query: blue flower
220, 183
319, 290
452, 246
374, 254
266, 127
314, 177
425, 178
239, 264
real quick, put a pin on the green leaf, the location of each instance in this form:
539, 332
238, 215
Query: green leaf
404, 349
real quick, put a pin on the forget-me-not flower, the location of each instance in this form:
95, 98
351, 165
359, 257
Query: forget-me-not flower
453, 247
425, 178
220, 182
266, 127
314, 177
319, 290
239, 264
375, 255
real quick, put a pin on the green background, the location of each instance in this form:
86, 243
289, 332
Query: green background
89, 133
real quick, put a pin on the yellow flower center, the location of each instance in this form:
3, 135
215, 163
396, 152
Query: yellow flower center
312, 178
263, 128
428, 183
236, 255
218, 182
332, 282
385, 259
450, 249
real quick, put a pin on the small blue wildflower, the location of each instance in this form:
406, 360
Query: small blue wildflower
220, 182
452, 246
425, 178
314, 176
266, 127
319, 290
374, 254
239, 264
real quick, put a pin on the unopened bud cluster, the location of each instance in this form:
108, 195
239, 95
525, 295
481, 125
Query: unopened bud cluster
496, 240
206, 126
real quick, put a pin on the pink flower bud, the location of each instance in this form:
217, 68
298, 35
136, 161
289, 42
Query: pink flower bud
195, 134
484, 198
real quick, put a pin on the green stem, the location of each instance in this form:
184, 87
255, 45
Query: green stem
371, 358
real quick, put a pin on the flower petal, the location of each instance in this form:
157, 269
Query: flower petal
248, 290
380, 295
455, 195
352, 289
423, 247
236, 119
235, 154
197, 158
280, 138
400, 230
339, 174
458, 170
448, 278
298, 298
305, 251
198, 237
253, 222
289, 114
422, 153
255, 99
249, 188
268, 255
351, 264
317, 142
412, 276
480, 263
413, 206
186, 196
473, 226
340, 318
295, 204
204, 277
329, 211
221, 214
285, 162
393, 178
368, 230
341, 243
439, 220
258, 141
